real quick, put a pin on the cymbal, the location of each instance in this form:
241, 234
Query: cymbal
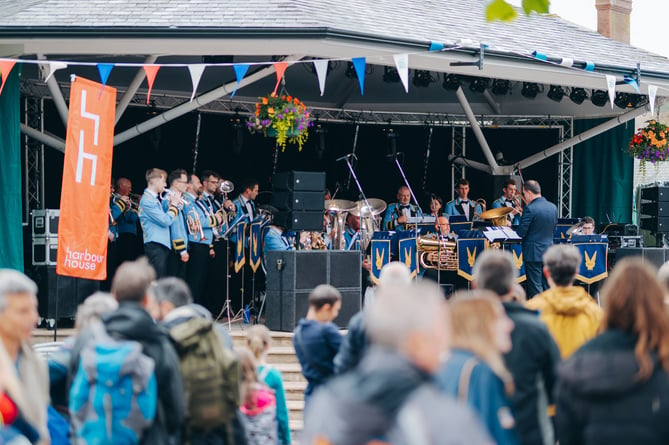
496, 213
376, 206
339, 205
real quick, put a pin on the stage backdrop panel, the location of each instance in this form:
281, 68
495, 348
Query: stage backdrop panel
11, 232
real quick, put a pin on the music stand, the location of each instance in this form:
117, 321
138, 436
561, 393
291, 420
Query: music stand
226, 305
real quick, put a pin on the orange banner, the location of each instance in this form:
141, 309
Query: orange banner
84, 200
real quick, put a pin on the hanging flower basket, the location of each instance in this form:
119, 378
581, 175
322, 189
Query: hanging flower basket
650, 144
283, 117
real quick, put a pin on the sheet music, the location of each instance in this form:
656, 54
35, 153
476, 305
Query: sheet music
421, 220
510, 233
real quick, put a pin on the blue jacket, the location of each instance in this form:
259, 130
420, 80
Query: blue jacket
115, 211
273, 239
486, 395
350, 238
393, 212
316, 345
178, 230
501, 202
240, 207
155, 221
454, 207
537, 226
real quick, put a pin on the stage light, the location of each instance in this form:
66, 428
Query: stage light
599, 97
500, 87
478, 85
350, 71
422, 78
555, 93
578, 95
530, 90
451, 82
390, 75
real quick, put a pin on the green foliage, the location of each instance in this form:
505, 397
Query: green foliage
503, 11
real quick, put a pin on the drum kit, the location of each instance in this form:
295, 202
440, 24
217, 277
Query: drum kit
368, 211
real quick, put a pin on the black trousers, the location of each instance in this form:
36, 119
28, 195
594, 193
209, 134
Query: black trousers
112, 264
197, 271
176, 267
157, 255
128, 247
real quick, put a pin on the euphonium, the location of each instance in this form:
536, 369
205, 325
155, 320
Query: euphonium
435, 253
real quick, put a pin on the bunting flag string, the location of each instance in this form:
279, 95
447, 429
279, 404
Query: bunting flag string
5, 68
151, 71
195, 76
104, 69
360, 64
240, 72
321, 67
280, 68
611, 86
49, 67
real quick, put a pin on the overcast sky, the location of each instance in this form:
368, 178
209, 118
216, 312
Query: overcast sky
649, 28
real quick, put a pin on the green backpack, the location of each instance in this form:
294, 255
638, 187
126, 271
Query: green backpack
210, 373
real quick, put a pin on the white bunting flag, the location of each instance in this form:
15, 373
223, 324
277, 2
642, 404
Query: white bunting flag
652, 92
611, 84
195, 75
402, 65
51, 68
322, 72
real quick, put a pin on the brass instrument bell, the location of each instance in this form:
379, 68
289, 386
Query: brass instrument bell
497, 216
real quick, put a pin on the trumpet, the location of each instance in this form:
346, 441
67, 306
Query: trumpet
131, 200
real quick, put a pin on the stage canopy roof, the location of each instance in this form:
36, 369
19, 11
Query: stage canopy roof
537, 49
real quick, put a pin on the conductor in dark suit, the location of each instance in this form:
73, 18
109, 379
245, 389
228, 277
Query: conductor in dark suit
537, 226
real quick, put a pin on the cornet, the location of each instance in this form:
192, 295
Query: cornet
226, 187
194, 225
178, 199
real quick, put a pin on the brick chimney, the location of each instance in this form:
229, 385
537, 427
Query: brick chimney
613, 19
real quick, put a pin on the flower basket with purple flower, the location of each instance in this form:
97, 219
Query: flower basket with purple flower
650, 144
283, 117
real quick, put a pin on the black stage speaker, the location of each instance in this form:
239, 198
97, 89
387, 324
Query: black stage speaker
59, 296
309, 201
656, 208
654, 255
655, 224
291, 276
302, 220
299, 181
656, 193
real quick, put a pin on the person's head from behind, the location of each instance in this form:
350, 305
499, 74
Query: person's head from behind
394, 274
132, 280
170, 293
258, 340
517, 294
324, 303
248, 374
561, 264
481, 326
634, 303
423, 336
18, 306
495, 270
93, 308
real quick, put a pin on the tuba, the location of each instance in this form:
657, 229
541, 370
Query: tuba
435, 253
498, 216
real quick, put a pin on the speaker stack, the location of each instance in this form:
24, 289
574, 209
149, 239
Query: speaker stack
299, 197
292, 275
654, 211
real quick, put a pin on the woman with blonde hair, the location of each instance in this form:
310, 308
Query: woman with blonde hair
475, 372
258, 340
615, 388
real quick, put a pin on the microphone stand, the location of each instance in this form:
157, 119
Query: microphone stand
420, 211
226, 306
362, 193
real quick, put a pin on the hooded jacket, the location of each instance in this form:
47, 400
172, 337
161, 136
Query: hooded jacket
130, 321
571, 315
601, 401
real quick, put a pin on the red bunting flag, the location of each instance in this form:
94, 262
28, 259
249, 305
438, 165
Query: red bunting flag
151, 71
280, 68
5, 68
